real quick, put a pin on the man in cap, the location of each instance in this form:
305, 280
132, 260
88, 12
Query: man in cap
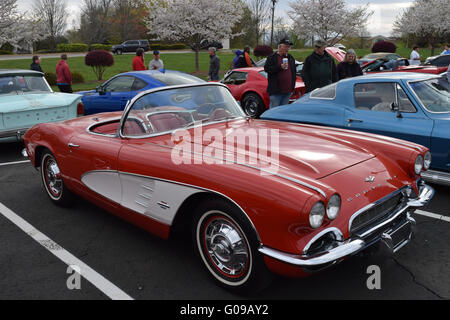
156, 63
280, 68
319, 68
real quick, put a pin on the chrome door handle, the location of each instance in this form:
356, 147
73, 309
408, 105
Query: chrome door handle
71, 145
353, 120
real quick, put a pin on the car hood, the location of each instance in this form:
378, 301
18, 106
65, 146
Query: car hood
25, 102
336, 53
298, 151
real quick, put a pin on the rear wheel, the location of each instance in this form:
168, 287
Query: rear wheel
53, 182
119, 51
253, 105
228, 247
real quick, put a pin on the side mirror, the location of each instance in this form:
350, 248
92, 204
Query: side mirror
100, 90
395, 108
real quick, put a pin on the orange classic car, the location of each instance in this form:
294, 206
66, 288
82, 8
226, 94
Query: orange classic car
259, 197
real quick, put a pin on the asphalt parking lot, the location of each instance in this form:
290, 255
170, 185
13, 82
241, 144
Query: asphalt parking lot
128, 263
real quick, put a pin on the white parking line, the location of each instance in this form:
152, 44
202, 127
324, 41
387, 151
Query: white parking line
433, 215
87, 272
14, 162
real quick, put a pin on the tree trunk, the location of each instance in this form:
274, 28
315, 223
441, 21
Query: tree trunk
196, 60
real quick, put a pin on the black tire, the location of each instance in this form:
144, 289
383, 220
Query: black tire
53, 182
237, 266
119, 51
253, 105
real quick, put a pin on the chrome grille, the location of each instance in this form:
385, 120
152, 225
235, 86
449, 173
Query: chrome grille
375, 213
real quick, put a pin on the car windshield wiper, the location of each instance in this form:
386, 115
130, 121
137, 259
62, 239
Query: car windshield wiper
227, 118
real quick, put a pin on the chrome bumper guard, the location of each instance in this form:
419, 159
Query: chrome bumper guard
355, 245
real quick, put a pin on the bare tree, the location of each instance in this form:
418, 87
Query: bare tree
94, 22
128, 18
53, 16
260, 16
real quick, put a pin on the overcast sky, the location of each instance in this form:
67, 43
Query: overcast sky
385, 12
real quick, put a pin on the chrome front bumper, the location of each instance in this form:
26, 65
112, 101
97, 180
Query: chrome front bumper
352, 246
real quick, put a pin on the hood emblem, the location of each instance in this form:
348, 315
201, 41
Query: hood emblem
370, 179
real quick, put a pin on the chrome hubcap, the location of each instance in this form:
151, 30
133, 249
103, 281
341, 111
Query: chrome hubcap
251, 108
226, 247
53, 177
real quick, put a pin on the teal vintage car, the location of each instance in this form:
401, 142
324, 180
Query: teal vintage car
27, 99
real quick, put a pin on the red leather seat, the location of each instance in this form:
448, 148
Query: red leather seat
163, 122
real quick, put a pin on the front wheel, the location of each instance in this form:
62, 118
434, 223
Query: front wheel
228, 248
53, 182
253, 105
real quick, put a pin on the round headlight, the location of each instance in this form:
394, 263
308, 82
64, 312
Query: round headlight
316, 215
333, 207
427, 160
418, 165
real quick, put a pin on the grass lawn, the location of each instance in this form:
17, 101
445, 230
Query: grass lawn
174, 61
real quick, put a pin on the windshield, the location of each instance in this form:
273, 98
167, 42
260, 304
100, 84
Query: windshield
19, 84
434, 94
167, 110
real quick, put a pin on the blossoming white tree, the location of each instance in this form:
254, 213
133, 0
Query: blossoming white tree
329, 20
15, 28
429, 20
191, 21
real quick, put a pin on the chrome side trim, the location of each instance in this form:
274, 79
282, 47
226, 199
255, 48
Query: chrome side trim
118, 173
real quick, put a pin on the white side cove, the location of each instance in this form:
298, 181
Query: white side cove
159, 200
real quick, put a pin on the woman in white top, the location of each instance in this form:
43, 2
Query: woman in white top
414, 59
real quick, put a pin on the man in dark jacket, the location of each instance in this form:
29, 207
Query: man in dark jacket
214, 65
36, 65
319, 69
280, 68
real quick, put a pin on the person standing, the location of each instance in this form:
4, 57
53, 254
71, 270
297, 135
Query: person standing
349, 67
36, 64
236, 59
156, 63
414, 58
63, 75
214, 65
138, 61
280, 68
319, 69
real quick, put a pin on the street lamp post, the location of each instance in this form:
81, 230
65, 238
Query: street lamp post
273, 13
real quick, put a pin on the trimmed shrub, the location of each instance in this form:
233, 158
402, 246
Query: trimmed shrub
77, 77
72, 47
384, 46
51, 78
262, 51
99, 60
3, 52
99, 46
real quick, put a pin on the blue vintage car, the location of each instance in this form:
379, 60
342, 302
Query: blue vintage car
26, 99
409, 106
114, 94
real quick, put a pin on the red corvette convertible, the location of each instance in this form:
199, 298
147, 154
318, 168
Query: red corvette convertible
259, 197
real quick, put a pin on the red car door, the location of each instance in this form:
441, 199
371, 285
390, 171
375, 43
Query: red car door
91, 166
